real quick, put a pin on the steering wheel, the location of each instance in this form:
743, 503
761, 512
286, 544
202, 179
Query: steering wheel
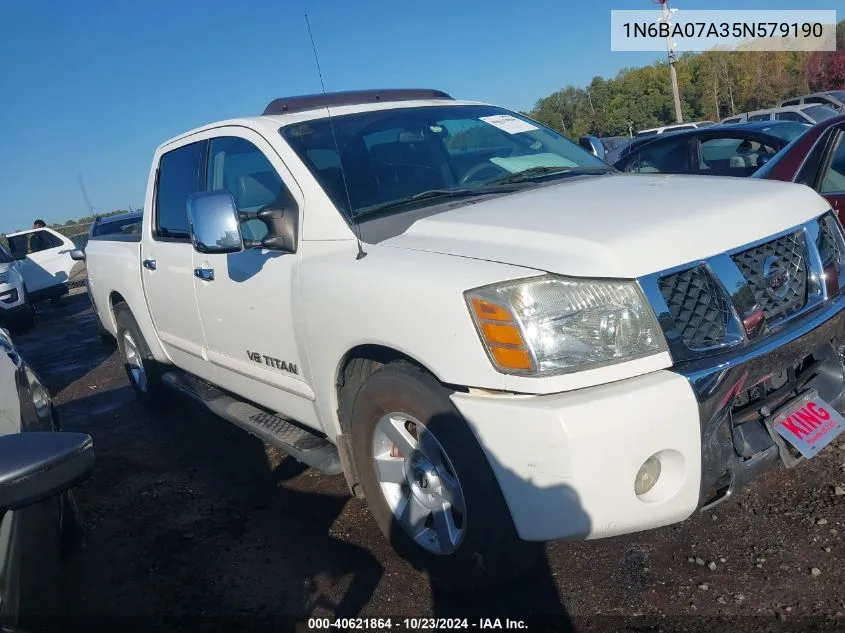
469, 176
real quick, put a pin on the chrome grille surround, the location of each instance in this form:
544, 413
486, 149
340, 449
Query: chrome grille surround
830, 249
733, 299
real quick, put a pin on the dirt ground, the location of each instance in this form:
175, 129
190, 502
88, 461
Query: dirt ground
192, 525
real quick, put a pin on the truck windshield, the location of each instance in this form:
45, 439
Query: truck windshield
420, 155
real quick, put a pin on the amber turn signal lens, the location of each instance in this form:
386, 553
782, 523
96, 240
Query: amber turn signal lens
511, 358
501, 336
488, 311
504, 334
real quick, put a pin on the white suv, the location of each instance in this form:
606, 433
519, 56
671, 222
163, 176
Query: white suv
15, 308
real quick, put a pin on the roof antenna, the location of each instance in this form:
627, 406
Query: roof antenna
356, 225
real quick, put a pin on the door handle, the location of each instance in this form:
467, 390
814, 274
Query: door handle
149, 264
206, 274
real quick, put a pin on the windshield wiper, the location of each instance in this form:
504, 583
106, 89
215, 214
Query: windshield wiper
533, 173
433, 193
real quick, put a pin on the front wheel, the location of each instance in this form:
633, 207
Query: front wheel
143, 371
429, 485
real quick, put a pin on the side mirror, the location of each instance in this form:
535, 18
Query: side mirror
593, 145
215, 224
38, 465
77, 255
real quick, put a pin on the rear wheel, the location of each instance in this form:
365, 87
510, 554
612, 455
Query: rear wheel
143, 371
429, 485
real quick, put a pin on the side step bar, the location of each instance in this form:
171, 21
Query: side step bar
299, 443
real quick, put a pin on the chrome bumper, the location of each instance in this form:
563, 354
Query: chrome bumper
718, 380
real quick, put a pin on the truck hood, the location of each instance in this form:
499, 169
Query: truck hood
606, 226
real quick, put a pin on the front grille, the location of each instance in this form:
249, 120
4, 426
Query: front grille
828, 244
698, 307
756, 264
734, 298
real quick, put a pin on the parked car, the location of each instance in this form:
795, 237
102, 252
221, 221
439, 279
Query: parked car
116, 227
497, 338
37, 463
712, 151
16, 311
45, 262
810, 114
832, 98
673, 128
786, 130
817, 160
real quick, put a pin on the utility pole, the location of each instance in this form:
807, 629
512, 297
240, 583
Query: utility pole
673, 72
85, 195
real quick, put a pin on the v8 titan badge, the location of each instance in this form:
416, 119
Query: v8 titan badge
809, 424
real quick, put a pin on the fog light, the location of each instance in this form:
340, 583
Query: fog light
647, 476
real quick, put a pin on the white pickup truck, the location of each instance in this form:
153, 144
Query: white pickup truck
494, 336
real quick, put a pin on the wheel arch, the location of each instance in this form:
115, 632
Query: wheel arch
142, 318
353, 369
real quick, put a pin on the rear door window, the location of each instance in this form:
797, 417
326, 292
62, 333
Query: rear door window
178, 178
760, 117
32, 242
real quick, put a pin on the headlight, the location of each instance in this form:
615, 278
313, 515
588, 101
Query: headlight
552, 325
4, 277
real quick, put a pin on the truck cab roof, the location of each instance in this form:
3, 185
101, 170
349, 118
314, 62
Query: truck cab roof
311, 107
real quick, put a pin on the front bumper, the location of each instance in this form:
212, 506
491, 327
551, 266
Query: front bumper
566, 463
12, 304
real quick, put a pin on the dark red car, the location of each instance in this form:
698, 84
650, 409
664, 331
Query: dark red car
815, 159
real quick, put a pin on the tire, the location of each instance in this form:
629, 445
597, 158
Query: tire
143, 371
484, 550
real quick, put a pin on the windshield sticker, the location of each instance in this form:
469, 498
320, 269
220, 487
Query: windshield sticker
509, 124
516, 164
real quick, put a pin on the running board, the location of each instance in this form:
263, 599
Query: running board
299, 443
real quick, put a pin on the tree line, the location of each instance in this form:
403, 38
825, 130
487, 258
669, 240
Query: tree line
713, 85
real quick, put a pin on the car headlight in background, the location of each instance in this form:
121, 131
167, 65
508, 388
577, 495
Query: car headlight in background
552, 325
4, 277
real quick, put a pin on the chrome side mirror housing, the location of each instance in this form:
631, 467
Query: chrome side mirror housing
593, 145
214, 223
77, 255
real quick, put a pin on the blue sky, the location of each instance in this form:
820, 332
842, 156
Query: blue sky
92, 87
